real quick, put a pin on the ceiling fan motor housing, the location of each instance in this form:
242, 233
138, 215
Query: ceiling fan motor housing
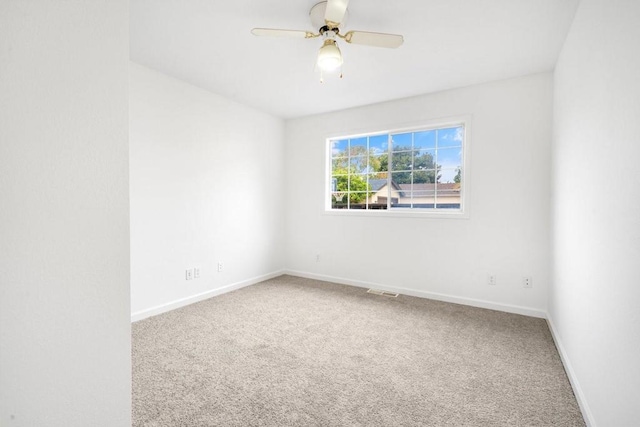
317, 13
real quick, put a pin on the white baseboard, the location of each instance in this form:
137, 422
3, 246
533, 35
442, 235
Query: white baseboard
526, 311
577, 390
154, 311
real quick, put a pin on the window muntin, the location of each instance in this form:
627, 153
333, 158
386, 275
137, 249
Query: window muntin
418, 170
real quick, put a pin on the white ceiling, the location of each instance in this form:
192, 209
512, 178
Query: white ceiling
448, 44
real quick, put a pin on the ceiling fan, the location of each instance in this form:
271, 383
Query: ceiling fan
328, 16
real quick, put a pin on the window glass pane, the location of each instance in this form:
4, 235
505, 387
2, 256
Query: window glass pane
425, 193
396, 202
422, 199
449, 175
426, 139
340, 183
448, 194
339, 165
398, 178
402, 161
339, 148
378, 205
377, 184
357, 200
399, 191
358, 164
378, 144
379, 163
358, 182
448, 206
401, 204
450, 157
379, 175
339, 200
379, 197
403, 187
424, 176
402, 141
424, 159
450, 137
358, 146
378, 191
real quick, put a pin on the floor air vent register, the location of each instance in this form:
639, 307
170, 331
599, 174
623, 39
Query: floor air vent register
382, 293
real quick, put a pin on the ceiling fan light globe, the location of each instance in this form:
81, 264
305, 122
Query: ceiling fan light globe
329, 64
329, 56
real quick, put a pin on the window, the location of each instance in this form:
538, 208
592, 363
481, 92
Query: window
419, 170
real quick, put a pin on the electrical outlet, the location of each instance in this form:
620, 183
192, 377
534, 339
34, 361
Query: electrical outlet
527, 282
491, 280
189, 274
196, 273
220, 267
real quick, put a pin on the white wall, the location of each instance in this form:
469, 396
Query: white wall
206, 186
507, 233
595, 297
64, 214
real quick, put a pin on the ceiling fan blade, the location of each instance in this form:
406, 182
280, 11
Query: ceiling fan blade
374, 39
273, 32
334, 14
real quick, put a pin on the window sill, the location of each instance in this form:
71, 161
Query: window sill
396, 214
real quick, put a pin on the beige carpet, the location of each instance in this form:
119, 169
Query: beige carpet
299, 352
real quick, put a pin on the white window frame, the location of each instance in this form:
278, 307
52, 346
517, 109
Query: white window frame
462, 213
